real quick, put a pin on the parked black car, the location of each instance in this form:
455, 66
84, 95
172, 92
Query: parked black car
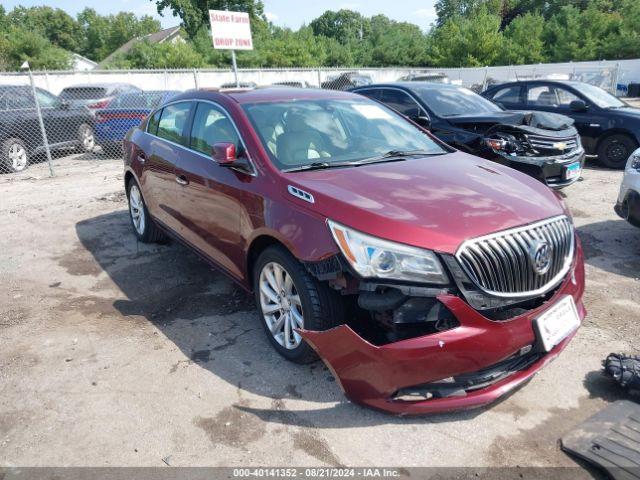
95, 95
346, 80
543, 145
609, 127
20, 133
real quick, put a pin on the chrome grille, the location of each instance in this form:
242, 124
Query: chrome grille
540, 142
501, 264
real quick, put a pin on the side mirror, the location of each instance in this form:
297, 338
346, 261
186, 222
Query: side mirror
423, 121
224, 153
578, 106
65, 105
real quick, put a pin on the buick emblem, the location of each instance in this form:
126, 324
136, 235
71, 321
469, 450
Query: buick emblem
540, 254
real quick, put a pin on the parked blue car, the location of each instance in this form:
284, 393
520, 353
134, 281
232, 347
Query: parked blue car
124, 112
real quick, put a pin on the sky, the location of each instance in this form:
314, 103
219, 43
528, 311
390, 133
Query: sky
286, 13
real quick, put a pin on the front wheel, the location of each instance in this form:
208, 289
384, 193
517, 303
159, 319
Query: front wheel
289, 298
614, 151
13, 156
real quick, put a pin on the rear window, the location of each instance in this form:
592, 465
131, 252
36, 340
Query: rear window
83, 93
148, 100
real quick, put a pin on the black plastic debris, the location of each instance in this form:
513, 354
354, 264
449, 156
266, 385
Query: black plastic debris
625, 369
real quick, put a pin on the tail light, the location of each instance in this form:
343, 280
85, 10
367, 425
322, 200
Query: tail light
100, 104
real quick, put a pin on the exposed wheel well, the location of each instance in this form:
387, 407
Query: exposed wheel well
610, 133
127, 176
258, 245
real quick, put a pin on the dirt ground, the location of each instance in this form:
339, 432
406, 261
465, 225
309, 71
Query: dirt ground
114, 353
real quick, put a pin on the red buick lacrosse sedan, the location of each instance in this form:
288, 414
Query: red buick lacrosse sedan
426, 279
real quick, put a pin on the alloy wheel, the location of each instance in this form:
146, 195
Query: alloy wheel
136, 209
17, 157
87, 138
280, 305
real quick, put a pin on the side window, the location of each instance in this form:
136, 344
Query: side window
172, 122
401, 102
152, 125
507, 95
211, 125
542, 96
565, 97
46, 99
18, 99
370, 93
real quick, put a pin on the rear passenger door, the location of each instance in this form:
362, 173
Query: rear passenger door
167, 138
210, 197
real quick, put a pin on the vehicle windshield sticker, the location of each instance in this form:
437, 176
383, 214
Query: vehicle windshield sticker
372, 112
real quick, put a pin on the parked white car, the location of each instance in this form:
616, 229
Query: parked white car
628, 206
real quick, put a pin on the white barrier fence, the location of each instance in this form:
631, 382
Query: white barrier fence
613, 76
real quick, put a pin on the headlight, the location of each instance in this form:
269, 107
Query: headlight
635, 160
373, 257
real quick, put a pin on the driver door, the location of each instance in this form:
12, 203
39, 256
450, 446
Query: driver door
211, 197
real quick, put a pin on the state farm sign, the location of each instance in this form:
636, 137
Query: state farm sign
230, 30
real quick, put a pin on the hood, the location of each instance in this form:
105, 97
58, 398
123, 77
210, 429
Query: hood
535, 120
432, 202
627, 111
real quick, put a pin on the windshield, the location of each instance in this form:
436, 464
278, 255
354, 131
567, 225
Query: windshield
454, 101
298, 133
599, 96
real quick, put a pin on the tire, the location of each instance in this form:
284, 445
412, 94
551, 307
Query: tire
319, 307
14, 156
144, 227
86, 138
614, 150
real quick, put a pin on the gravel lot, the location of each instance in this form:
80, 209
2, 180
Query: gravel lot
114, 353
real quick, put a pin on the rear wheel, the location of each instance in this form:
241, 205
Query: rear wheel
614, 150
14, 156
143, 225
289, 298
86, 138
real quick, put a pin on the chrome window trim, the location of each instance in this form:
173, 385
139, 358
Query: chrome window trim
254, 171
532, 293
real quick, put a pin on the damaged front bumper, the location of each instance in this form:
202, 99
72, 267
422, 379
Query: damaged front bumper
555, 171
466, 367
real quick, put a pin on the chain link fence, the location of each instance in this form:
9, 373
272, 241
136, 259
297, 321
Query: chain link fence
49, 117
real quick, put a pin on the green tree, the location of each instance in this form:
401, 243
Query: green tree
103, 35
55, 25
523, 40
394, 43
195, 13
22, 45
467, 41
346, 26
158, 55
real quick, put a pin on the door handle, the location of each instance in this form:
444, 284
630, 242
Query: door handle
142, 158
182, 180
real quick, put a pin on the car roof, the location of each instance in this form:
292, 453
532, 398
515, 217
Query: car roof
570, 83
100, 85
267, 94
412, 85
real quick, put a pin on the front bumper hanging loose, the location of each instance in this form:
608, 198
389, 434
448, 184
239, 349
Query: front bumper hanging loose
374, 375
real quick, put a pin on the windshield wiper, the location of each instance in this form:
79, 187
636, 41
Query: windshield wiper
390, 156
320, 166
397, 155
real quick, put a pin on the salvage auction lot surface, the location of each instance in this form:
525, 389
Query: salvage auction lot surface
117, 353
